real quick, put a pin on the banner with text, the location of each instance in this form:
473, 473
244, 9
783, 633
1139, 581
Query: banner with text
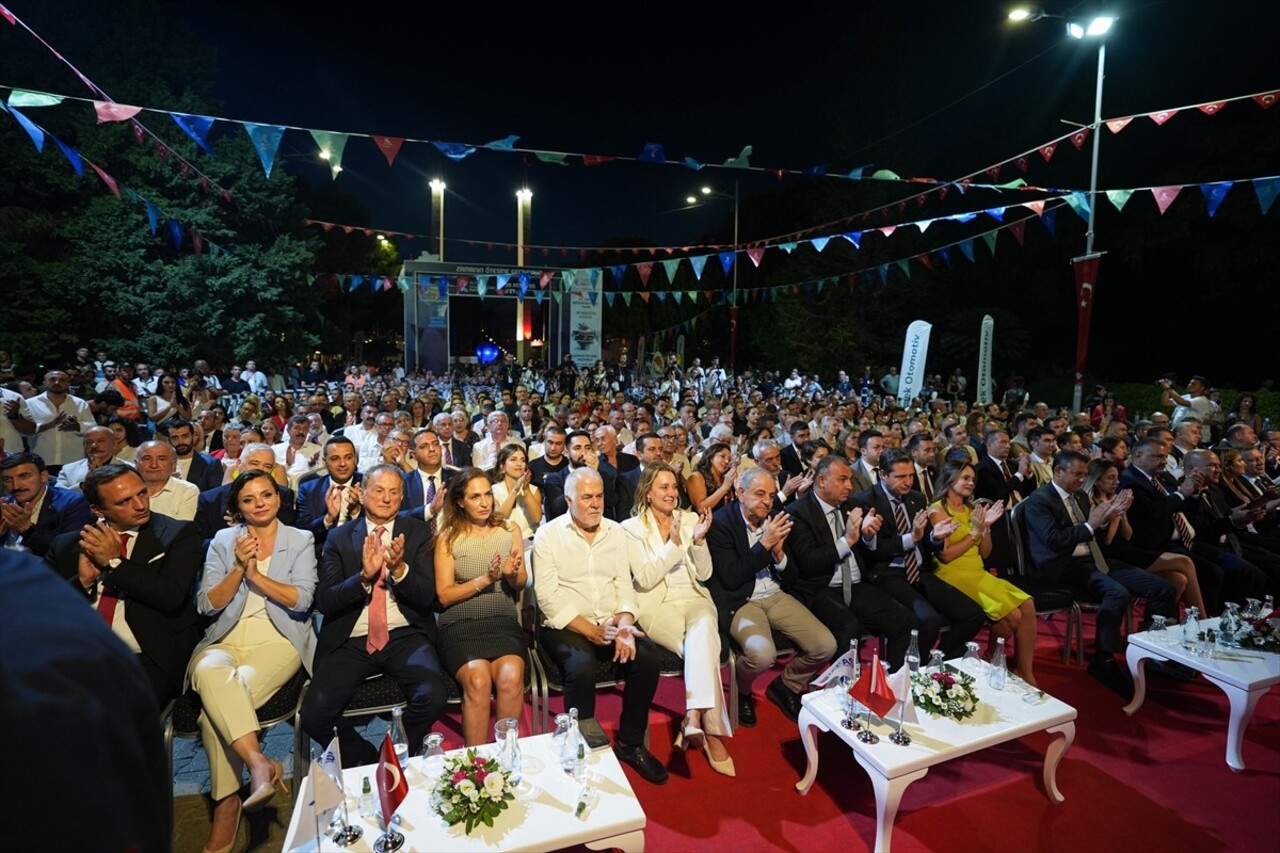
915, 351
585, 315
986, 385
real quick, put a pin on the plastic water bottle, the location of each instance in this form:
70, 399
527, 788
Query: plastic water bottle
913, 652
572, 751
999, 670
399, 740
1191, 628
367, 808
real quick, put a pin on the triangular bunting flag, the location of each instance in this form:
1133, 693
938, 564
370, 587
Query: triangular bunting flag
671, 267
540, 295
742, 161
644, 294
1018, 230
153, 217
661, 294
36, 134
996, 213
556, 295
902, 264
945, 254
652, 153
593, 275
1046, 151
482, 285
504, 144
552, 157
726, 261
501, 281
1164, 196
854, 237
442, 286
677, 296
1048, 218
454, 150
1163, 116
887, 230
1266, 99
966, 248
1078, 138
1210, 109
609, 296
1214, 194
389, 146
544, 279
109, 111
626, 298
175, 231
595, 159
1119, 197
1079, 202
698, 262
788, 247
266, 141
593, 296
755, 255
355, 282
883, 269
1036, 206
331, 146
23, 98
1266, 188
106, 179
524, 286
818, 243
1022, 163
618, 270
1116, 125
926, 260
990, 239
645, 270
197, 127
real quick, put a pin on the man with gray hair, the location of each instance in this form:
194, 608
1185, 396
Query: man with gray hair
157, 463
588, 604
485, 452
454, 452
768, 455
212, 512
749, 569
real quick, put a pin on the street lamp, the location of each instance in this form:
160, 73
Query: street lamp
437, 214
1087, 264
693, 200
524, 209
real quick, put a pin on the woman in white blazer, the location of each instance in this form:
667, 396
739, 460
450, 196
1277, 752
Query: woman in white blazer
669, 563
259, 579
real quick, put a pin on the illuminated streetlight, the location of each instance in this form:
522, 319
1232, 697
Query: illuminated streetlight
437, 214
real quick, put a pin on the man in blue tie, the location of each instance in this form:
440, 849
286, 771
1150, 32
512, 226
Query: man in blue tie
424, 488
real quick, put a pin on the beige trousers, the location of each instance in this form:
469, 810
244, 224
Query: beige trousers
687, 625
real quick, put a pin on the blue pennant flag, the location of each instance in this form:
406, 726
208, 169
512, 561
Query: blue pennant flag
693, 164
609, 296
442, 286
854, 237
539, 295
593, 296
354, 283
153, 217
856, 174
966, 246
197, 127
652, 153
403, 284
455, 150
662, 295
266, 141
962, 217
1049, 218
1214, 194
726, 261
501, 281
1266, 188
504, 144
816, 170
175, 231
618, 270
698, 262
883, 269
36, 134
788, 247
73, 157
593, 275
945, 254
996, 213
524, 284
820, 243
1079, 202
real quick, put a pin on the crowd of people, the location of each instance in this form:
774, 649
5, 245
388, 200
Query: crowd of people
207, 518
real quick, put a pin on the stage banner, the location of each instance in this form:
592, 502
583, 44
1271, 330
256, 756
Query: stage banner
986, 385
586, 312
915, 351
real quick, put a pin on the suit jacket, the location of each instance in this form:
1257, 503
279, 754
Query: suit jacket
888, 542
157, 584
63, 511
791, 461
211, 510
616, 507
811, 549
734, 563
1052, 536
311, 507
1210, 514
626, 462
991, 484
340, 595
1151, 514
414, 495
861, 481
206, 472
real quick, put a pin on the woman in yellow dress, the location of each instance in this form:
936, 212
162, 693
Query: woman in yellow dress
960, 563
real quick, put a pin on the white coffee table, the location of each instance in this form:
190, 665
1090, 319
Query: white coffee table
1001, 716
1243, 675
541, 817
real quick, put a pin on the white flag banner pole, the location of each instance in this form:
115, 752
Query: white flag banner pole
915, 351
986, 384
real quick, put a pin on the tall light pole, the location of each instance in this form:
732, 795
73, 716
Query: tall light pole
691, 200
524, 212
437, 214
1086, 266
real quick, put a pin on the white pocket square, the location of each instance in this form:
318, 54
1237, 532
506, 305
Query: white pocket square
159, 556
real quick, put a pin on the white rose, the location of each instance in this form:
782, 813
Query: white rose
467, 788
494, 785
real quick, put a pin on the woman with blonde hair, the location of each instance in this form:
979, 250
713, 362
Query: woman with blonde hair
670, 563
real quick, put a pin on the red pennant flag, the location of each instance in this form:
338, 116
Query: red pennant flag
887, 230
1017, 229
926, 260
138, 132
347, 229
544, 280
942, 193
389, 146
1046, 151
872, 688
707, 295
1022, 163
1037, 206
645, 270
1266, 99
595, 159
185, 168
644, 294
993, 173
106, 179
1163, 116
1078, 138
1164, 196
1116, 125
1210, 109
392, 788
108, 111
8, 16
198, 242
755, 255
204, 183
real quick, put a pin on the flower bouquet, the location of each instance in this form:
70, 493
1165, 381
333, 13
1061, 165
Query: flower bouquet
1259, 634
472, 789
944, 693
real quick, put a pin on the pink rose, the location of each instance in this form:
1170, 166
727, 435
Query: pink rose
480, 774
459, 776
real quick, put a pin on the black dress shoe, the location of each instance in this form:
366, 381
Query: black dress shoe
746, 709
1112, 676
643, 762
784, 698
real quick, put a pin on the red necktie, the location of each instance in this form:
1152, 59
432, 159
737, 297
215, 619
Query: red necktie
107, 600
377, 637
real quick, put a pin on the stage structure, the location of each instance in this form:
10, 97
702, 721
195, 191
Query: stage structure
565, 320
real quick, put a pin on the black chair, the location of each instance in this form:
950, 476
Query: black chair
1048, 596
377, 694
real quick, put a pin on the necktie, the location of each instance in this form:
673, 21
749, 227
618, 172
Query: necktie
431, 497
925, 485
846, 574
1099, 562
1004, 469
377, 637
1185, 535
107, 599
910, 560
448, 453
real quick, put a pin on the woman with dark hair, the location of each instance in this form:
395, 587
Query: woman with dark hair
1244, 410
516, 498
479, 568
127, 439
670, 564
282, 410
1100, 485
710, 486
1108, 412
960, 562
168, 401
812, 451
258, 582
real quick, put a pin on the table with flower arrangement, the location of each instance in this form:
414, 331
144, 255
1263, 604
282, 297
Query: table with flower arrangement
1244, 674
540, 817
999, 716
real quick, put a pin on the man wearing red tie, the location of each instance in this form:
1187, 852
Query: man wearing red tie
376, 591
139, 569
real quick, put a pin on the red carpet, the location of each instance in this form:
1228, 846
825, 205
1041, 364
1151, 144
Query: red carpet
1154, 781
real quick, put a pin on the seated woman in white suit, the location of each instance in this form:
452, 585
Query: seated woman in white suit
259, 579
669, 562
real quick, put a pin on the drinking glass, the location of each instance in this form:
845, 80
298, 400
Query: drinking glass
1159, 631
507, 734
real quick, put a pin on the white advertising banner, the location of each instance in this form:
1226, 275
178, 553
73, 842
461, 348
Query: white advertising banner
915, 351
585, 316
986, 383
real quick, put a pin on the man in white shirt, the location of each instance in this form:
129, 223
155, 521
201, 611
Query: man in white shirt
589, 608
298, 455
158, 465
256, 378
60, 420
1195, 405
485, 452
16, 421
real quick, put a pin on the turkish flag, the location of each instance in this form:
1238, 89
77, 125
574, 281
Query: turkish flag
873, 689
392, 788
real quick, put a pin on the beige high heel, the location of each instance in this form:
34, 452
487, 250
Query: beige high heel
723, 766
263, 793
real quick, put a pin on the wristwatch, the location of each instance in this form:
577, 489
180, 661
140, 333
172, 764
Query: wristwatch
114, 563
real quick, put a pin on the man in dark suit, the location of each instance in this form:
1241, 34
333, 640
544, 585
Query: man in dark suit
1226, 530
790, 455
193, 466
924, 458
1060, 537
998, 480
333, 498
211, 507
865, 472
769, 457
749, 568
901, 561
424, 488
581, 452
454, 452
829, 579
140, 570
376, 590
648, 452
34, 511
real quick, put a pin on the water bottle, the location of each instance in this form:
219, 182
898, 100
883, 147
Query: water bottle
367, 807
572, 751
999, 670
399, 740
913, 652
507, 734
1191, 628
